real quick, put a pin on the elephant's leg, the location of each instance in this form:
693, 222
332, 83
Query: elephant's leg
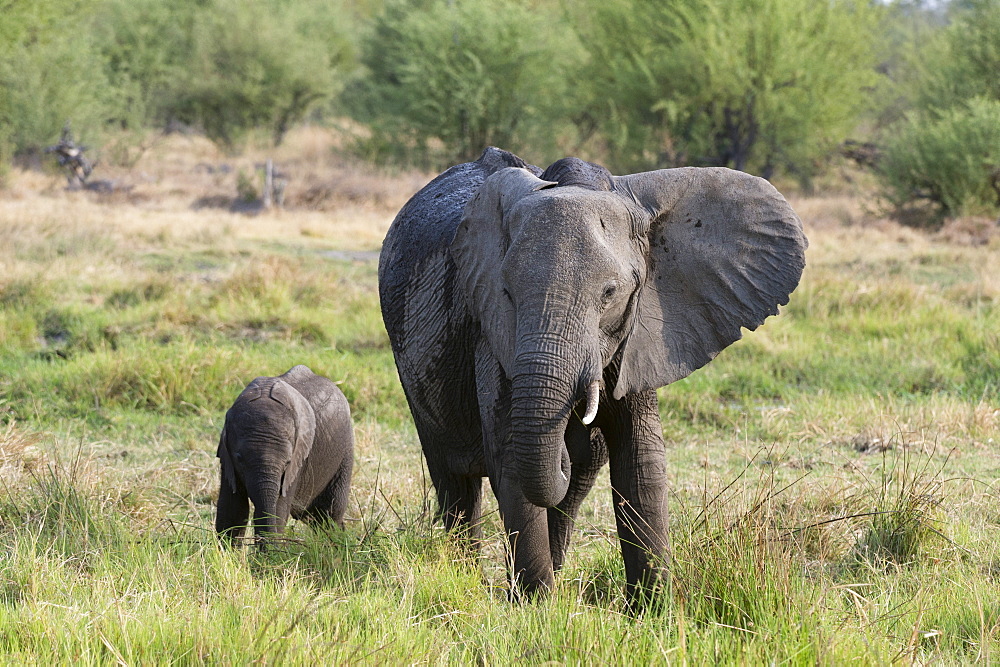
527, 529
588, 453
442, 399
232, 512
459, 497
340, 490
526, 524
331, 503
634, 437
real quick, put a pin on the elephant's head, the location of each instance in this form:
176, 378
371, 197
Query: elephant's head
268, 435
580, 278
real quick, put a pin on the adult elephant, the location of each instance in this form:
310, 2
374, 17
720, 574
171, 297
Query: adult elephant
533, 314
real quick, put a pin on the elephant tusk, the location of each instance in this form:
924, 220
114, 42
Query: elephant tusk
593, 394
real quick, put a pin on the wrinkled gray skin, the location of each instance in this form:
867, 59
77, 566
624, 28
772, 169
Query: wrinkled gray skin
508, 292
288, 446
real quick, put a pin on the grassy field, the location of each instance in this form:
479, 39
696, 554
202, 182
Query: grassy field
834, 476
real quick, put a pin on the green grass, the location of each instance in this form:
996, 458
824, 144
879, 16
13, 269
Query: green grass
833, 475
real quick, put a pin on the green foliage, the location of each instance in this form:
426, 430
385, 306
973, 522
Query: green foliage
763, 85
224, 66
977, 45
960, 62
148, 46
944, 147
51, 72
756, 85
445, 78
950, 158
258, 65
26, 22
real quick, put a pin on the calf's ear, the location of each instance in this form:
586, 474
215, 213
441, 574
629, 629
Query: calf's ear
305, 430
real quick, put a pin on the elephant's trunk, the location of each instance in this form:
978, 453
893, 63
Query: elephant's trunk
264, 494
548, 380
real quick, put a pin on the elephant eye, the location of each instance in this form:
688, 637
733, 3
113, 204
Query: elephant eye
609, 292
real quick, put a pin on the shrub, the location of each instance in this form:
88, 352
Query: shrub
446, 79
257, 65
755, 85
49, 75
951, 161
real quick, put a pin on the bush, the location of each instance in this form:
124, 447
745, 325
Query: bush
49, 74
147, 45
952, 160
756, 85
258, 65
446, 79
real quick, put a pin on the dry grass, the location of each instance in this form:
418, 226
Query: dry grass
182, 189
166, 302
19, 454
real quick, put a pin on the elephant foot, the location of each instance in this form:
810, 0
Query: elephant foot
528, 590
650, 595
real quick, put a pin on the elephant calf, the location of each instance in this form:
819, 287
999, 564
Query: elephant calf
287, 445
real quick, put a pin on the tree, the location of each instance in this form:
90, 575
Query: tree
258, 65
970, 65
946, 148
50, 72
225, 66
445, 78
752, 84
148, 47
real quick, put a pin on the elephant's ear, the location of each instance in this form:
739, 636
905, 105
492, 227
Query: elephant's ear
305, 430
725, 250
226, 459
478, 249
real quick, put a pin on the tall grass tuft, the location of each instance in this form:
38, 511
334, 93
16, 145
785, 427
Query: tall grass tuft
65, 509
737, 574
732, 566
905, 516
